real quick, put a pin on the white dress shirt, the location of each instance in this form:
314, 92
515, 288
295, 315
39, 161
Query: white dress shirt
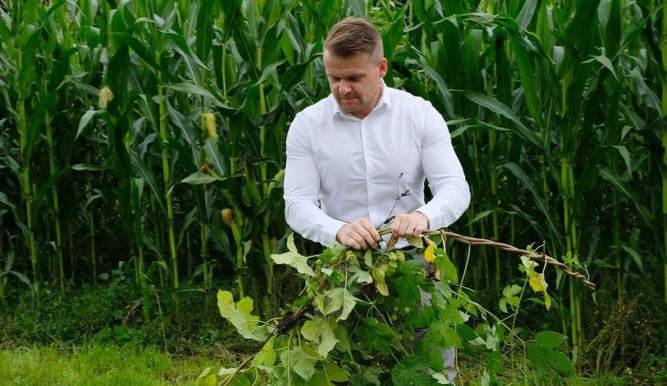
341, 168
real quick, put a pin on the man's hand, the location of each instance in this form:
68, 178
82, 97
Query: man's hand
409, 224
359, 234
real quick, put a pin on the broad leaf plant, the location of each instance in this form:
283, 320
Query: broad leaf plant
356, 321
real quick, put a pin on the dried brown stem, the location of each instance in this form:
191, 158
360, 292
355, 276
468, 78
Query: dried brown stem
286, 323
510, 248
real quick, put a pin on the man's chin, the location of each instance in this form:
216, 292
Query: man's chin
348, 108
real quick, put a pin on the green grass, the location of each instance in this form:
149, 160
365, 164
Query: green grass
114, 365
471, 371
100, 365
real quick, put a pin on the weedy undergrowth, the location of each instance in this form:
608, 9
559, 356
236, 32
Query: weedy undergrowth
356, 320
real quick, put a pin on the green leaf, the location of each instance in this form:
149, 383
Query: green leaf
416, 242
205, 37
442, 332
320, 331
625, 154
374, 335
622, 186
359, 275
537, 197
509, 297
206, 378
299, 361
529, 84
336, 277
561, 363
334, 373
147, 174
293, 258
370, 376
343, 339
445, 266
93, 168
550, 339
199, 178
239, 315
87, 116
445, 94
605, 62
268, 70
214, 156
501, 109
266, 356
411, 277
527, 12
542, 358
411, 371
337, 299
144, 53
635, 257
189, 88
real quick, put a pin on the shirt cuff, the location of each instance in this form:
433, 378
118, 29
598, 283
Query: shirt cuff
435, 220
329, 232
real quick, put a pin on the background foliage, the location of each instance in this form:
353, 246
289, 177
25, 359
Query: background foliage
147, 137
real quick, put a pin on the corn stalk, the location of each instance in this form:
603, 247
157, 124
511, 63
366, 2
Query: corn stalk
664, 142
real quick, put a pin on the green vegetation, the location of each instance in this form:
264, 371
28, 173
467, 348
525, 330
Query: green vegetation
142, 154
100, 365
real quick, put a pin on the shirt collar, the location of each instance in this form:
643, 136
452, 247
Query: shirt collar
385, 99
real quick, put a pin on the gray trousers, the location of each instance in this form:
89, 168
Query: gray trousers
448, 354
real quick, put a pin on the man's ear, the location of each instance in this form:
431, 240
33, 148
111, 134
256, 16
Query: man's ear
383, 67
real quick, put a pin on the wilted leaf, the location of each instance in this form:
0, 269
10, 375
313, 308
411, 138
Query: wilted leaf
428, 254
539, 284
392, 241
380, 283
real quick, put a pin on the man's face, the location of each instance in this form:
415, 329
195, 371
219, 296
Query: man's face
355, 81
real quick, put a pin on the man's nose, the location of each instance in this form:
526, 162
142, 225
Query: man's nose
344, 87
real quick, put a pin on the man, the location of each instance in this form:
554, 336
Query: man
363, 153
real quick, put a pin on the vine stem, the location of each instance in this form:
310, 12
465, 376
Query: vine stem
286, 323
510, 248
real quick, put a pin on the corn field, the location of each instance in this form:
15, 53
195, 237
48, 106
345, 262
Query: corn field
150, 135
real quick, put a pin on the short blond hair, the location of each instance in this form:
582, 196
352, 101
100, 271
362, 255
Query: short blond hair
352, 36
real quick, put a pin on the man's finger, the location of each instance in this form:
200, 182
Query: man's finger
368, 236
418, 230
